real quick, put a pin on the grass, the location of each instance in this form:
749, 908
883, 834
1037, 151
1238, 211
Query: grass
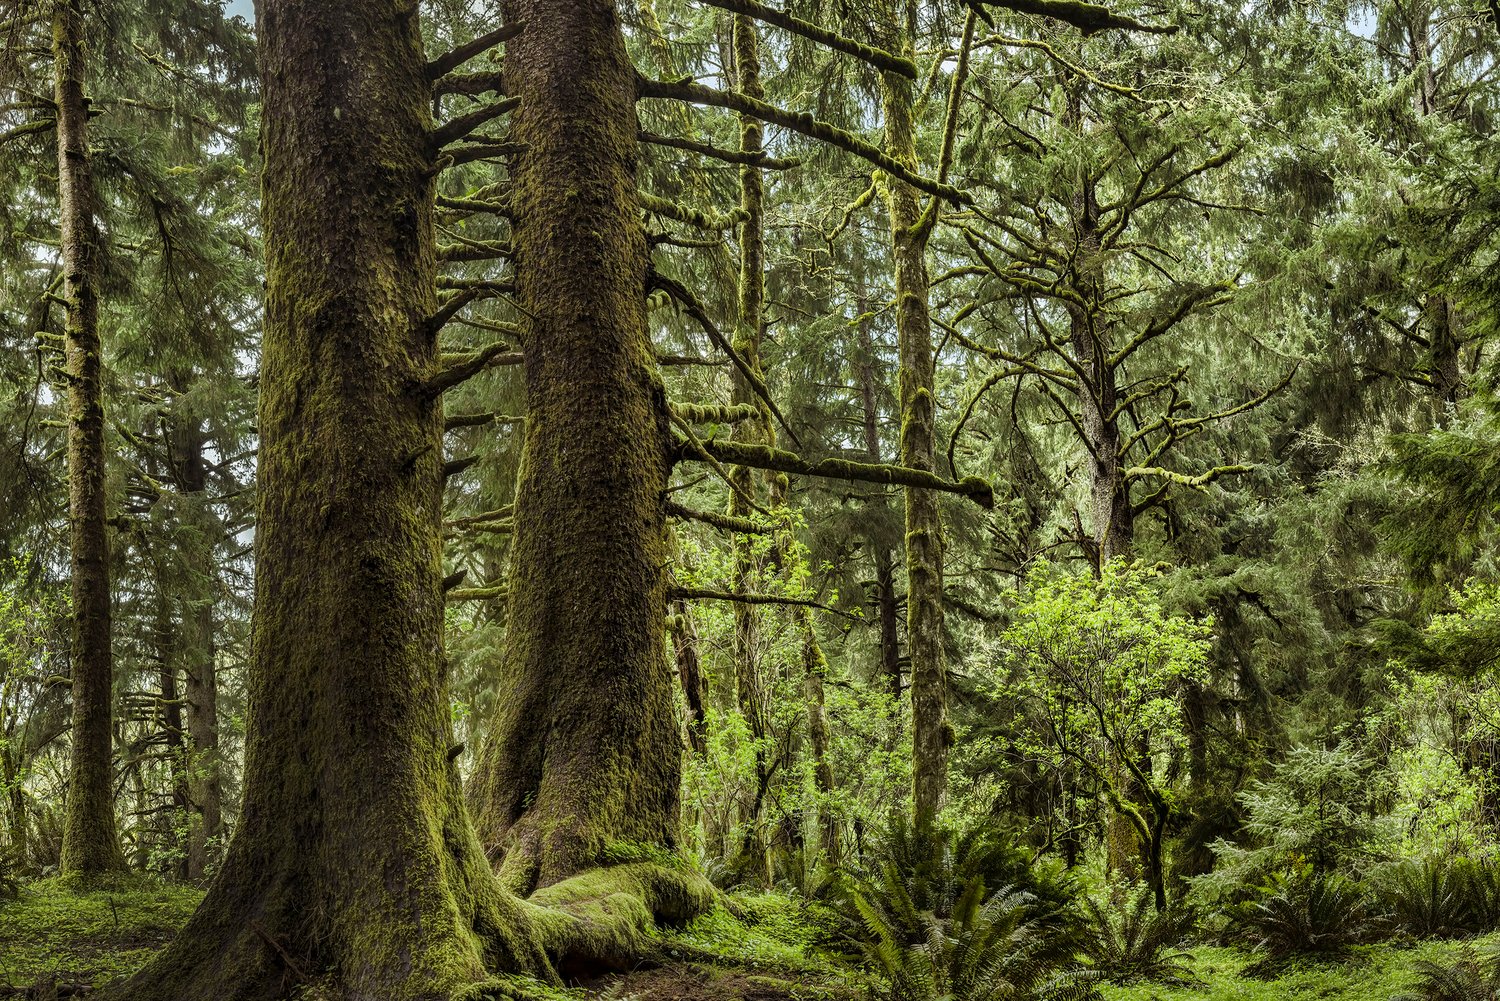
1367, 973
53, 933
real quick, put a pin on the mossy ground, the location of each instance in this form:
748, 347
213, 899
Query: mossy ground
767, 951
1367, 973
55, 932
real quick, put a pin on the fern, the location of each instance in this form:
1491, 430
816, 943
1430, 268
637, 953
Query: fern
1135, 942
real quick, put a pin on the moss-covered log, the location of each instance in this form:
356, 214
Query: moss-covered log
586, 749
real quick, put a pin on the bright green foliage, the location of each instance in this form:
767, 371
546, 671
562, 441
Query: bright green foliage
1307, 913
51, 932
1135, 942
1467, 977
1439, 896
1311, 813
1101, 664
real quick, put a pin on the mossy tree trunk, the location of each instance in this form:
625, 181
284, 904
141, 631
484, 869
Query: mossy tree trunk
200, 690
90, 842
885, 564
354, 862
586, 749
931, 734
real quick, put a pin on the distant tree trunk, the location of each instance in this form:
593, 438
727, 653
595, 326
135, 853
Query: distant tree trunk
690, 674
170, 716
90, 843
586, 749
885, 565
354, 859
200, 673
931, 734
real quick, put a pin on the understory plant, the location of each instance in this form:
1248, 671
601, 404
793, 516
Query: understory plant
1136, 942
1306, 913
932, 921
1469, 977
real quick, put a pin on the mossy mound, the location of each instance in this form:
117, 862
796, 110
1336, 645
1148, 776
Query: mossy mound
57, 932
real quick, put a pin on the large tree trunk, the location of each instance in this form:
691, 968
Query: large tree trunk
586, 749
354, 859
931, 734
90, 843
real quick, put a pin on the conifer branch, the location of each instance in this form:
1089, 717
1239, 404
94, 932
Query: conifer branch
745, 598
1086, 17
1199, 482
477, 593
733, 413
690, 216
879, 58
725, 522
470, 84
458, 128
456, 57
695, 309
471, 364
813, 128
777, 460
454, 421
761, 160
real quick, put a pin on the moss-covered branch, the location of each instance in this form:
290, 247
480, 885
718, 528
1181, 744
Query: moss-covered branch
453, 421
744, 598
777, 460
458, 128
693, 217
813, 128
695, 309
761, 160
725, 522
470, 364
879, 58
457, 56
1086, 17
477, 593
731, 414
1199, 482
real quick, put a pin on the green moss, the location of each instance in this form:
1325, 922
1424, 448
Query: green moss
56, 930
1368, 973
766, 931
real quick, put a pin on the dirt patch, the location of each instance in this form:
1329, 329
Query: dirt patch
703, 983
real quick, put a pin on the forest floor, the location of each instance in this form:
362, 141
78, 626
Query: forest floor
1366, 973
52, 937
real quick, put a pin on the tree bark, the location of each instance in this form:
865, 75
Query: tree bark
885, 565
931, 734
586, 750
354, 861
90, 842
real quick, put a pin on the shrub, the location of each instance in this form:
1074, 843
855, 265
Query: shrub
933, 920
1434, 897
1306, 914
1136, 942
1467, 978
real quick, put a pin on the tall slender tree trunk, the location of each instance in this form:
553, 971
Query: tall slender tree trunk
90, 843
200, 672
885, 564
585, 750
931, 734
354, 860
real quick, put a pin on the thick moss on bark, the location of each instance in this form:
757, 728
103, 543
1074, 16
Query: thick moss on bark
586, 747
90, 845
354, 862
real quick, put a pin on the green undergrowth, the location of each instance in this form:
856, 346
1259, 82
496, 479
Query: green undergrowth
56, 931
1366, 973
759, 931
